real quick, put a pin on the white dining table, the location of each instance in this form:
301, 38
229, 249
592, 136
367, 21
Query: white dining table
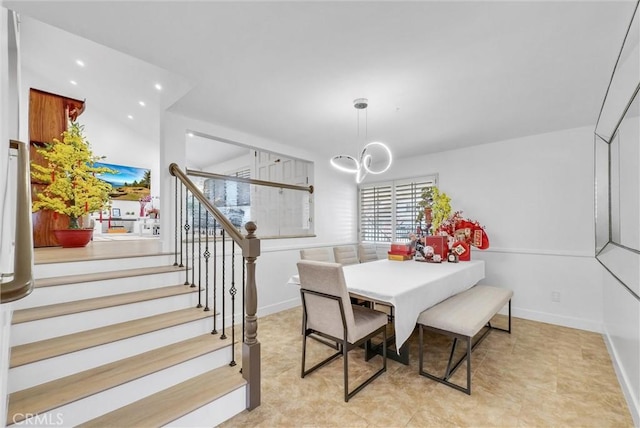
409, 286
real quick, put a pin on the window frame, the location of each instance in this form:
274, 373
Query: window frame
394, 185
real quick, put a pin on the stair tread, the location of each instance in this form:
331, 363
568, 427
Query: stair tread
66, 308
100, 276
36, 351
170, 404
56, 393
107, 250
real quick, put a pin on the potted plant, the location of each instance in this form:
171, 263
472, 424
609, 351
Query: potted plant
72, 187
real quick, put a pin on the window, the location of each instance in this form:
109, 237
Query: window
277, 211
231, 197
388, 210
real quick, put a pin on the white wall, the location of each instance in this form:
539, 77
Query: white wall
534, 195
622, 333
231, 165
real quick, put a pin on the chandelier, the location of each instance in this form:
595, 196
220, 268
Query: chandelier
371, 157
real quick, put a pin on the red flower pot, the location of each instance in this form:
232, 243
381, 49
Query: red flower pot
73, 238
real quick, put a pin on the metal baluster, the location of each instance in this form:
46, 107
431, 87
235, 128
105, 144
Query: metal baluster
244, 285
232, 291
215, 276
207, 254
186, 247
199, 255
224, 314
181, 265
175, 218
193, 241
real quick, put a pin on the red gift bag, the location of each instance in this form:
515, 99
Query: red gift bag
462, 249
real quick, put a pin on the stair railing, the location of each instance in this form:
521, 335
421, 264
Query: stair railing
204, 227
22, 283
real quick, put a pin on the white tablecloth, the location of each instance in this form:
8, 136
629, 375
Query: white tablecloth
411, 287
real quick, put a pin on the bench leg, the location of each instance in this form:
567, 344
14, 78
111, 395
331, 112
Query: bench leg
468, 390
471, 345
453, 349
467, 357
450, 371
506, 330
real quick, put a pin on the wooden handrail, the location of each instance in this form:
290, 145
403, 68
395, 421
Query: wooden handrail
228, 227
22, 283
204, 174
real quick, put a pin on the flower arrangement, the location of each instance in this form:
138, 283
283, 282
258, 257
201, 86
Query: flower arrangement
462, 233
72, 187
143, 203
463, 229
434, 207
153, 212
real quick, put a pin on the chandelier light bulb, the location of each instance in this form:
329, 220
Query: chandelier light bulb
372, 154
360, 175
366, 158
345, 163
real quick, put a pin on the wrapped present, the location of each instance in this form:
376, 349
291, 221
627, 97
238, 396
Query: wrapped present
399, 257
401, 249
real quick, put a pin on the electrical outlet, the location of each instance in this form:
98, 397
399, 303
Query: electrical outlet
555, 296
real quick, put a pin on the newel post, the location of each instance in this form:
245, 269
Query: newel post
251, 346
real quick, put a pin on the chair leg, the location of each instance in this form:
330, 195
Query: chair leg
345, 356
304, 352
347, 394
509, 316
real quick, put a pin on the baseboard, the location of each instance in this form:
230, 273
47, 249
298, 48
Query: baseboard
278, 307
560, 320
265, 310
632, 402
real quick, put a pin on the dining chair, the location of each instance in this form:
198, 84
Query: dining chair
329, 314
317, 254
345, 255
367, 253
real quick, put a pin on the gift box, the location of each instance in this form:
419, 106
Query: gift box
439, 244
400, 249
399, 257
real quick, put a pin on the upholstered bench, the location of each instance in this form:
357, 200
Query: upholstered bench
463, 316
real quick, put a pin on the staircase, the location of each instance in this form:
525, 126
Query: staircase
119, 342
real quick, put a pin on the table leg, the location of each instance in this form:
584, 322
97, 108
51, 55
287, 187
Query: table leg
401, 355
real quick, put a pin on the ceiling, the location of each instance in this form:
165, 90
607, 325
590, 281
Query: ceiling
438, 75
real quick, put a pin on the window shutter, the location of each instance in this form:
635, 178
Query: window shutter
407, 196
388, 210
376, 214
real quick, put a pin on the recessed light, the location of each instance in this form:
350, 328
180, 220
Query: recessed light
158, 86
80, 62
190, 134
141, 103
130, 117
73, 82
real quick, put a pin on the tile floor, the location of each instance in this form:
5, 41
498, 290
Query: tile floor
539, 376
